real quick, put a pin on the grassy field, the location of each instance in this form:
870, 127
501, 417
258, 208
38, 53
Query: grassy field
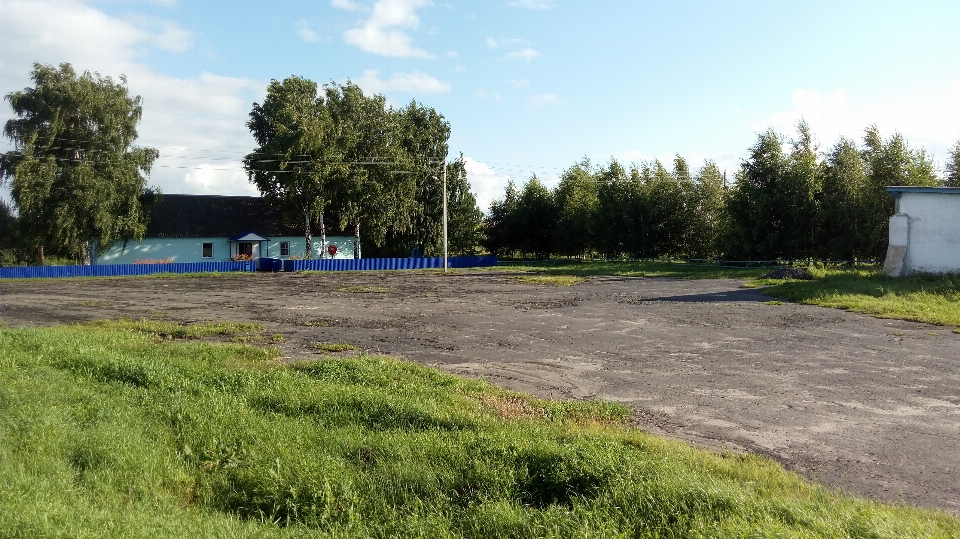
934, 299
133, 430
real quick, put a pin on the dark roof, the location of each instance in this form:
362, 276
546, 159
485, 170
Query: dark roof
203, 216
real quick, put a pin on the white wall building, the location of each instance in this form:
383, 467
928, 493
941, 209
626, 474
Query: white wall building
924, 231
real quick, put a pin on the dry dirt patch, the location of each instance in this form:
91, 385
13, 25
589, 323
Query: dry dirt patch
868, 405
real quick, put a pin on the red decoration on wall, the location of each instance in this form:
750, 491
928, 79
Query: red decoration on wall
332, 249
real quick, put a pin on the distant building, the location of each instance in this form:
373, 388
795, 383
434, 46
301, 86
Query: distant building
924, 231
201, 228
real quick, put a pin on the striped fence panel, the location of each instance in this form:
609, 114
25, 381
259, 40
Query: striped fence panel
367, 264
349, 264
118, 270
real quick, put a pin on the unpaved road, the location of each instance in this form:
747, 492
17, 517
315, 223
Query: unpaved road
867, 405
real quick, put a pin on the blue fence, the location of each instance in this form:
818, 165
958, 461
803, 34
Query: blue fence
367, 264
116, 270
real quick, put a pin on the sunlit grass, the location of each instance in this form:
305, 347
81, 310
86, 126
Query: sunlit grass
633, 268
107, 432
554, 280
934, 299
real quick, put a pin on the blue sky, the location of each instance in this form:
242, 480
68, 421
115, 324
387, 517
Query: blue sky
529, 86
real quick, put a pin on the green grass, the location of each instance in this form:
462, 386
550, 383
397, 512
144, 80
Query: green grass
175, 330
922, 298
334, 347
362, 289
678, 270
107, 432
554, 280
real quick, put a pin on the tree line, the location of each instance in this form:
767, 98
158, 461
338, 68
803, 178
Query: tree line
787, 201
78, 181
341, 154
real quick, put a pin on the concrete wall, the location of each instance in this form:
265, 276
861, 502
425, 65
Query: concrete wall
924, 232
191, 249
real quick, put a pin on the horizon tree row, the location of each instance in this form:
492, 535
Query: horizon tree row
349, 156
787, 201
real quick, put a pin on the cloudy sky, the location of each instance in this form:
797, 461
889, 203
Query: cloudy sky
529, 86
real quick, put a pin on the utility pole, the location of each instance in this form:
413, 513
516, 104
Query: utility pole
444, 217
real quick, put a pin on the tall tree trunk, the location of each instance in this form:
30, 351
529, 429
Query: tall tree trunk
86, 253
323, 238
40, 254
308, 236
356, 239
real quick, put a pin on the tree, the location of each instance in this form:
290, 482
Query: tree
77, 180
369, 186
535, 217
465, 220
423, 134
501, 232
952, 170
291, 163
575, 199
614, 219
10, 244
707, 210
841, 210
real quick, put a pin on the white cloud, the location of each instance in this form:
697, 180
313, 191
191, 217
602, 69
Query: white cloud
531, 4
348, 5
927, 119
413, 83
453, 54
486, 184
379, 35
197, 123
306, 33
491, 43
540, 100
522, 54
518, 83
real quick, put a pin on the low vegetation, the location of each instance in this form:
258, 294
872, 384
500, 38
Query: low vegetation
635, 268
934, 299
334, 347
108, 431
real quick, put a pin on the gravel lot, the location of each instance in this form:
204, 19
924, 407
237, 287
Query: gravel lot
866, 405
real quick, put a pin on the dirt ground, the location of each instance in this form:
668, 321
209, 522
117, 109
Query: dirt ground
866, 405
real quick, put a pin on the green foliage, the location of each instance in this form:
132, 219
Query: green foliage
952, 168
291, 164
77, 180
108, 433
576, 201
12, 248
923, 298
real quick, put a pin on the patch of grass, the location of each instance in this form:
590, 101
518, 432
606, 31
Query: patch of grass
362, 289
675, 269
555, 280
257, 338
106, 432
93, 303
773, 302
334, 347
175, 330
934, 299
